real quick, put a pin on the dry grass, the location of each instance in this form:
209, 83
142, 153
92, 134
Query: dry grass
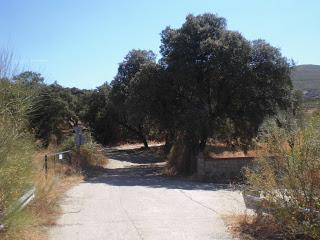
289, 182
32, 222
253, 227
50, 190
92, 155
220, 150
44, 209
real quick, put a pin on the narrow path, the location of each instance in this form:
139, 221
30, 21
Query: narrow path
131, 200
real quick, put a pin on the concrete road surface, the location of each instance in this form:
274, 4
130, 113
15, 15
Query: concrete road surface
131, 200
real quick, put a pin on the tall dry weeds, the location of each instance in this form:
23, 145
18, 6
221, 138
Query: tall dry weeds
16, 147
288, 175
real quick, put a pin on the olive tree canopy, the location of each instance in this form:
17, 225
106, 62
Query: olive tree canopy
220, 80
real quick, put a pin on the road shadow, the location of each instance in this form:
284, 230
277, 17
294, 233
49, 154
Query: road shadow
147, 170
153, 154
151, 176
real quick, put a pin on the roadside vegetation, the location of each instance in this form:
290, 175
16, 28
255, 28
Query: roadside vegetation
16, 149
91, 154
33, 123
210, 85
287, 175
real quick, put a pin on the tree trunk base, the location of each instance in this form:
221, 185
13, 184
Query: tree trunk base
182, 158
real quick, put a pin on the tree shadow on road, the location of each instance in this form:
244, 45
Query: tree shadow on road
148, 172
150, 176
153, 154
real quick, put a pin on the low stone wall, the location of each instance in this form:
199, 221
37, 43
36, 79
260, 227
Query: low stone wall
223, 169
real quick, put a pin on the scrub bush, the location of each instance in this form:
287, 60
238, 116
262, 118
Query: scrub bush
288, 175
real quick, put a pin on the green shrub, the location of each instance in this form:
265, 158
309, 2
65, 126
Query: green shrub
67, 144
16, 144
91, 153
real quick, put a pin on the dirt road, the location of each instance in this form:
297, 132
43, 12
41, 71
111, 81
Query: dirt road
130, 200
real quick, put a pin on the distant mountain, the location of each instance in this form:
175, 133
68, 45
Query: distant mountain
307, 79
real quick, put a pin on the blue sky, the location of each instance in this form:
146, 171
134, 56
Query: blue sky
80, 42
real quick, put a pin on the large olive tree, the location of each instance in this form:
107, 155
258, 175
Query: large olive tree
219, 78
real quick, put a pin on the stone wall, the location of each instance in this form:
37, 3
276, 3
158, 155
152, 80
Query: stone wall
222, 169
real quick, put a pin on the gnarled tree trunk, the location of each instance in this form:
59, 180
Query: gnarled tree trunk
182, 158
144, 140
169, 138
142, 136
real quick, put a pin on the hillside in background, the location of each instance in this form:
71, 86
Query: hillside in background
307, 79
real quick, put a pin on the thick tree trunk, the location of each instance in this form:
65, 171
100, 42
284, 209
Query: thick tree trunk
142, 136
168, 142
202, 144
183, 155
144, 140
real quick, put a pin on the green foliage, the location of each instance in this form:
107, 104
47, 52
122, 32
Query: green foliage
99, 114
29, 78
92, 155
210, 82
288, 175
49, 113
219, 77
68, 143
55, 111
16, 144
128, 113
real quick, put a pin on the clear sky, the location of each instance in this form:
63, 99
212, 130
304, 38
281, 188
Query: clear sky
80, 42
